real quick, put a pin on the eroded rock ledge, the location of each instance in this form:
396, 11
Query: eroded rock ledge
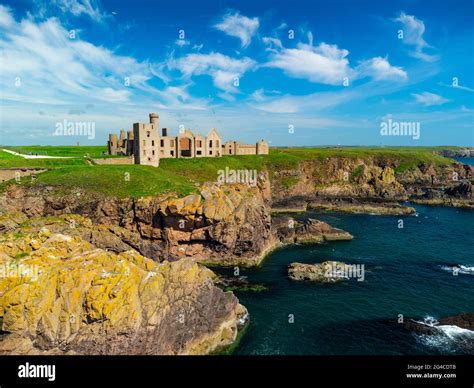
63, 295
326, 272
311, 231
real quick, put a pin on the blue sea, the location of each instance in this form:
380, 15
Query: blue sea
469, 161
408, 271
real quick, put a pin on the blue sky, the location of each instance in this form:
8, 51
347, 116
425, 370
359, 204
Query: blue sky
296, 73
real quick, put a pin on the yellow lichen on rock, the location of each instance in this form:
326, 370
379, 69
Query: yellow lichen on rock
62, 294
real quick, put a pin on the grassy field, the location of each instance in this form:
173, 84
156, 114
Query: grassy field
182, 175
69, 151
8, 160
120, 181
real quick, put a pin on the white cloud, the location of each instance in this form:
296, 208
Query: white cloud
6, 19
50, 65
429, 99
175, 97
89, 8
239, 26
380, 69
327, 64
314, 102
288, 104
258, 95
272, 43
413, 31
41, 67
262, 95
223, 69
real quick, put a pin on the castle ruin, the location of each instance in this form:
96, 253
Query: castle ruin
147, 146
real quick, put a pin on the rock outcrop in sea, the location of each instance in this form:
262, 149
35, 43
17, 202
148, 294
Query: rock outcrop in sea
311, 231
326, 272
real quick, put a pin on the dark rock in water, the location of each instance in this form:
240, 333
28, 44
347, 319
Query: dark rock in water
316, 231
418, 327
239, 283
311, 231
464, 321
326, 272
449, 335
431, 326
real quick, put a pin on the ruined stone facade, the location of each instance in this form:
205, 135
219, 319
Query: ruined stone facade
121, 145
148, 146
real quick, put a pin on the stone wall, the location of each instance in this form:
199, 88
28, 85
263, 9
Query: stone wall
124, 160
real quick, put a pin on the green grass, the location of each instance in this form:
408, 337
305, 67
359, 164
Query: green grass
67, 151
289, 181
357, 172
402, 158
21, 255
120, 181
8, 160
181, 176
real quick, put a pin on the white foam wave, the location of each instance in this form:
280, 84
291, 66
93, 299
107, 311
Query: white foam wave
463, 269
453, 331
450, 337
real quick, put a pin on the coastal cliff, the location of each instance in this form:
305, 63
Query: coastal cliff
110, 274
220, 224
64, 295
370, 185
231, 224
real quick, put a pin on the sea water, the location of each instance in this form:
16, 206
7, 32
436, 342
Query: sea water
410, 272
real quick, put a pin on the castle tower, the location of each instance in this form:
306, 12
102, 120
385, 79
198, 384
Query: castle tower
262, 147
130, 142
112, 144
154, 120
146, 142
213, 144
122, 144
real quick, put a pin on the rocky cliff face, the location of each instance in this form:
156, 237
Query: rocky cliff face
351, 184
461, 153
341, 177
232, 224
64, 295
220, 224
